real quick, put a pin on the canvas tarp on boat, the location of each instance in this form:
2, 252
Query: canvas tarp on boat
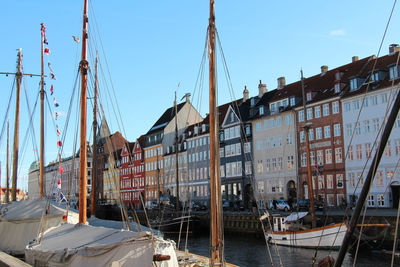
294, 216
20, 222
84, 245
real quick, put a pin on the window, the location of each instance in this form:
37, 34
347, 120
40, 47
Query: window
267, 165
347, 107
259, 166
329, 181
384, 98
335, 107
278, 122
338, 155
247, 167
318, 133
292, 101
352, 179
289, 139
267, 144
359, 151
302, 137
339, 180
312, 158
288, 120
388, 149
258, 127
381, 200
336, 130
337, 88
274, 164
357, 128
309, 96
279, 141
320, 157
301, 115
290, 162
328, 156
321, 182
326, 109
309, 114
366, 126
371, 202
327, 131
350, 153
221, 152
279, 167
375, 124
266, 124
379, 178
261, 110
247, 147
304, 160
285, 103
397, 146
272, 141
317, 111
222, 171
393, 72
374, 100
356, 104
374, 77
368, 150
272, 107
353, 84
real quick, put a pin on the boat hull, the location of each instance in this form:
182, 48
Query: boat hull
329, 237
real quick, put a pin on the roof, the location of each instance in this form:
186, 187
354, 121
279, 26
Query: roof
165, 118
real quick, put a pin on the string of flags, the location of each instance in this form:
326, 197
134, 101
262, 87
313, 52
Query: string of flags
56, 114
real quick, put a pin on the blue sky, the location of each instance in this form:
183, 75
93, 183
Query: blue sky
151, 46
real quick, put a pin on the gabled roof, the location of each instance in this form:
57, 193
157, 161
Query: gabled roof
165, 118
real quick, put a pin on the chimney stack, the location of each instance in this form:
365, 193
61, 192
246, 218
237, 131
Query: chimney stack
262, 89
245, 94
354, 59
324, 69
393, 48
281, 82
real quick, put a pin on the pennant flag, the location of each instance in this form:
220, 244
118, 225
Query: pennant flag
55, 102
55, 115
59, 184
59, 143
52, 76
47, 51
51, 90
61, 169
58, 131
45, 40
76, 39
43, 28
62, 197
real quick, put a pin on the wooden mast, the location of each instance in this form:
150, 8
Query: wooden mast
84, 65
306, 127
94, 152
177, 202
41, 162
7, 166
18, 76
216, 237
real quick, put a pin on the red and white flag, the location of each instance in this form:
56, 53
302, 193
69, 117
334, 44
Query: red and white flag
55, 102
61, 169
51, 90
47, 51
58, 131
59, 184
59, 143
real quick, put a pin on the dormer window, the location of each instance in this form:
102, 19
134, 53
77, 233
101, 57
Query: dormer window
337, 88
184, 145
393, 72
167, 149
285, 103
203, 128
337, 76
272, 107
353, 84
309, 96
196, 130
262, 110
374, 77
252, 102
292, 101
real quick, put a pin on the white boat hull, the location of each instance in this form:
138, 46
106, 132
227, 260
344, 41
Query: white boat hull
330, 236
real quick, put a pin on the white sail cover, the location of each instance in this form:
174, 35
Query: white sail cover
84, 245
294, 216
20, 222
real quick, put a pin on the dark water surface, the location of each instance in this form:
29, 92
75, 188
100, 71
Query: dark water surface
249, 251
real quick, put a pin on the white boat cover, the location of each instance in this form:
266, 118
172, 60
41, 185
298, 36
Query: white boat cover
20, 222
84, 245
294, 216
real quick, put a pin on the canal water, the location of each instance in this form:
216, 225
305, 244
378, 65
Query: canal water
248, 251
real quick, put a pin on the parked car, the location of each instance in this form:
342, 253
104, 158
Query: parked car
304, 204
280, 205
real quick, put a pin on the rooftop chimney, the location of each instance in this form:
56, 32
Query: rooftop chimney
324, 68
281, 82
354, 59
262, 89
245, 94
393, 48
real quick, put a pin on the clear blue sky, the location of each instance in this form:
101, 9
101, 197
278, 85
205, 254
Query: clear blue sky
151, 46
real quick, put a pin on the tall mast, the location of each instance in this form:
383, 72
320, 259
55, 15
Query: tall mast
94, 152
18, 76
84, 65
176, 156
368, 180
306, 127
41, 162
8, 167
216, 237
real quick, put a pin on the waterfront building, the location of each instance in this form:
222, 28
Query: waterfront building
69, 177
274, 145
138, 179
162, 135
111, 175
20, 194
365, 104
126, 174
